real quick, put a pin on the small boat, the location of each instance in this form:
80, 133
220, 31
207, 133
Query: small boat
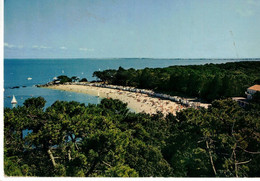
13, 100
29, 78
55, 78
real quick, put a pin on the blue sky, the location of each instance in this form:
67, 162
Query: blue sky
131, 28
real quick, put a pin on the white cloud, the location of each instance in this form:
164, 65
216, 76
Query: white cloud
248, 8
44, 47
253, 2
40, 47
7, 45
63, 48
245, 12
86, 49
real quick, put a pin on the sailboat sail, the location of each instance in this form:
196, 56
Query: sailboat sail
13, 100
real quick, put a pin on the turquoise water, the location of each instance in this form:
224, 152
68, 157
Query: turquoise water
16, 72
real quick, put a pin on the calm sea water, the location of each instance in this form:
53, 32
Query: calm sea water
16, 72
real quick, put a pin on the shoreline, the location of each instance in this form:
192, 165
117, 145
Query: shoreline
137, 101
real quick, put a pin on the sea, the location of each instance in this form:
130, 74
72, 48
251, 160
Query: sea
41, 71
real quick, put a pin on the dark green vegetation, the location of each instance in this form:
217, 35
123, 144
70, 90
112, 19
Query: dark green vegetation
64, 79
209, 82
256, 97
71, 139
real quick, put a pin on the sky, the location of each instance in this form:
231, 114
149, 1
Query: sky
131, 28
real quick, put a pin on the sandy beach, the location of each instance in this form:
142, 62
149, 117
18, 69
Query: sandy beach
139, 102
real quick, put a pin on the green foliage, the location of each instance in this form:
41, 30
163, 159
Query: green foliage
116, 106
225, 138
106, 75
11, 168
208, 81
256, 97
121, 171
106, 140
37, 103
71, 139
74, 79
64, 78
83, 80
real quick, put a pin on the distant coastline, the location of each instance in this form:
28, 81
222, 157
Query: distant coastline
110, 58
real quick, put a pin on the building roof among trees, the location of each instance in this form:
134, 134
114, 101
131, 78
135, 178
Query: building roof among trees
255, 87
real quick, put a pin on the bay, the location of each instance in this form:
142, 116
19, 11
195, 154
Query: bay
17, 72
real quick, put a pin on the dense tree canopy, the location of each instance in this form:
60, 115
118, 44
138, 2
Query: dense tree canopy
63, 79
209, 82
71, 139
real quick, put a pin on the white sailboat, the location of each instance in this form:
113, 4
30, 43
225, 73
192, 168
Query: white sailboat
13, 100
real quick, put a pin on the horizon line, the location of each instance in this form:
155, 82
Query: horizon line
246, 58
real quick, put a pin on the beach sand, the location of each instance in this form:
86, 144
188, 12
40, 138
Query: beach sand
136, 101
